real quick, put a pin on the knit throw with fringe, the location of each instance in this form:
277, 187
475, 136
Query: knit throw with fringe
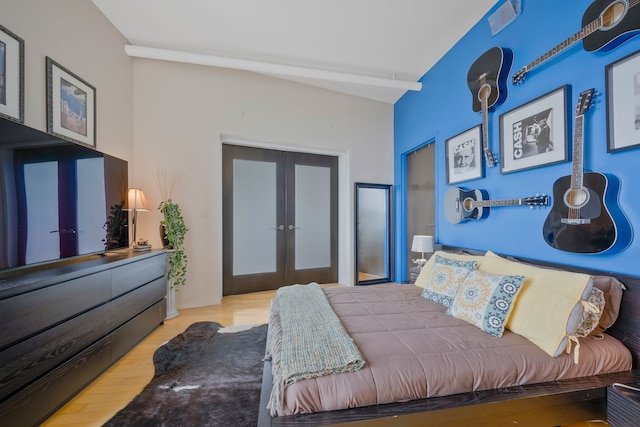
306, 340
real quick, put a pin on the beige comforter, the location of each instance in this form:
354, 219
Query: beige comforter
413, 350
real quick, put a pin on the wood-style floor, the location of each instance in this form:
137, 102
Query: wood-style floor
117, 386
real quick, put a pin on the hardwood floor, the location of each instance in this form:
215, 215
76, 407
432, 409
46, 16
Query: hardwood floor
117, 386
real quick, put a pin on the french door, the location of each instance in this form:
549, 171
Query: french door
280, 218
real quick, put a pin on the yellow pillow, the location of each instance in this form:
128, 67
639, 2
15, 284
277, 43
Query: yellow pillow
549, 308
425, 273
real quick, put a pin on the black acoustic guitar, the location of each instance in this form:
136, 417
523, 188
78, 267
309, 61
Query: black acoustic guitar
487, 78
461, 205
580, 219
605, 25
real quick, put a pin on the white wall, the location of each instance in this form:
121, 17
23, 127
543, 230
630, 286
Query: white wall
76, 34
183, 112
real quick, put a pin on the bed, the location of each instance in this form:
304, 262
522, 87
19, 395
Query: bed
573, 394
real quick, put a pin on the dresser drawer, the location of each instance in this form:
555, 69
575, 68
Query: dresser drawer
24, 315
132, 275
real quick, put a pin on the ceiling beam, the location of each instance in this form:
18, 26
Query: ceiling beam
268, 68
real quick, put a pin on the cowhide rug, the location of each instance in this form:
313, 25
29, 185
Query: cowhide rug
203, 377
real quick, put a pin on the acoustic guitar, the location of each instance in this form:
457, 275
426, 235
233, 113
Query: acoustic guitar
462, 205
580, 220
487, 79
605, 25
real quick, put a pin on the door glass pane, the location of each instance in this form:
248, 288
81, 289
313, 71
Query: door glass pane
254, 217
41, 191
313, 218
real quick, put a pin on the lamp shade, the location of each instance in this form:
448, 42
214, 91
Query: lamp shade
137, 201
422, 244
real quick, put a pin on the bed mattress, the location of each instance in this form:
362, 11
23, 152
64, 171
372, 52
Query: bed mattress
414, 350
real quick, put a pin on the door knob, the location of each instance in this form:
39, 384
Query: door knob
280, 227
292, 227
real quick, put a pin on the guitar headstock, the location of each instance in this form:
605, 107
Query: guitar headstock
585, 101
491, 158
518, 78
537, 200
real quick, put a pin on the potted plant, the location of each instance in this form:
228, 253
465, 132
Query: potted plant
172, 231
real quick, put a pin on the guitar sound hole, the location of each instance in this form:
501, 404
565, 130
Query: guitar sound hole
484, 92
576, 198
467, 204
613, 14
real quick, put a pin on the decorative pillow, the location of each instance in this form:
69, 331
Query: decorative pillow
486, 300
612, 289
591, 315
445, 279
425, 273
549, 307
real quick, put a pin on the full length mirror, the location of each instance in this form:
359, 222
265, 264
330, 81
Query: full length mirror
373, 233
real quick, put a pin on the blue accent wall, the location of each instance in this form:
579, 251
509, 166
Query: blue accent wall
443, 109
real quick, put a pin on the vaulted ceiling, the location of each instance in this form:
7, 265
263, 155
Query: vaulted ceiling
377, 49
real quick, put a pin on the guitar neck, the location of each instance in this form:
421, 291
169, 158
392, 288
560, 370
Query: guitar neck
592, 27
577, 170
491, 161
495, 203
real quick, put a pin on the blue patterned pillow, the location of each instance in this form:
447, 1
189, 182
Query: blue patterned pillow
445, 278
486, 300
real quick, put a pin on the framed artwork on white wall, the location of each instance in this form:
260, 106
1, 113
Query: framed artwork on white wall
11, 76
71, 105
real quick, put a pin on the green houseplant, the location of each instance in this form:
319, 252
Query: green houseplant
174, 232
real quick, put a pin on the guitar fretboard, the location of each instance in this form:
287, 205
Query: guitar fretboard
587, 30
495, 203
577, 170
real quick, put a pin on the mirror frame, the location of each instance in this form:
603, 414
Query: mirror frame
387, 188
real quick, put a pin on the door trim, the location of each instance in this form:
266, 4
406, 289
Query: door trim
346, 258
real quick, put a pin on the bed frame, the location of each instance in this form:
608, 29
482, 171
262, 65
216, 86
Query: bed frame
552, 403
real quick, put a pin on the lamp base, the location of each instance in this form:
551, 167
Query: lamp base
420, 262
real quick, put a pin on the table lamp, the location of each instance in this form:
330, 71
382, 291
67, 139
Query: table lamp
422, 244
137, 202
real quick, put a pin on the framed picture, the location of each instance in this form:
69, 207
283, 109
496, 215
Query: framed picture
11, 76
71, 105
464, 156
623, 103
535, 134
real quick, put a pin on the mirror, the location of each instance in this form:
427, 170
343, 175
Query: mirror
373, 230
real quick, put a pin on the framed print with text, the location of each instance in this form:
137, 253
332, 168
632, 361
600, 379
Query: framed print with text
71, 105
623, 103
535, 134
464, 156
11, 76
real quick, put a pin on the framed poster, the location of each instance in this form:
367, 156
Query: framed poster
71, 105
623, 103
11, 76
535, 134
464, 156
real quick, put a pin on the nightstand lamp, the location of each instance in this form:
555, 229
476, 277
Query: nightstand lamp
422, 244
137, 202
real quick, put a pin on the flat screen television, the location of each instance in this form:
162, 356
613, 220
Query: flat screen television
58, 199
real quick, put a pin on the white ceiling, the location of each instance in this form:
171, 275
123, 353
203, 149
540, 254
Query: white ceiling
364, 44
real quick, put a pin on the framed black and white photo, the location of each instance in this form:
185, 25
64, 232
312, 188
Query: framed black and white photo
535, 134
71, 105
11, 76
623, 103
464, 156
